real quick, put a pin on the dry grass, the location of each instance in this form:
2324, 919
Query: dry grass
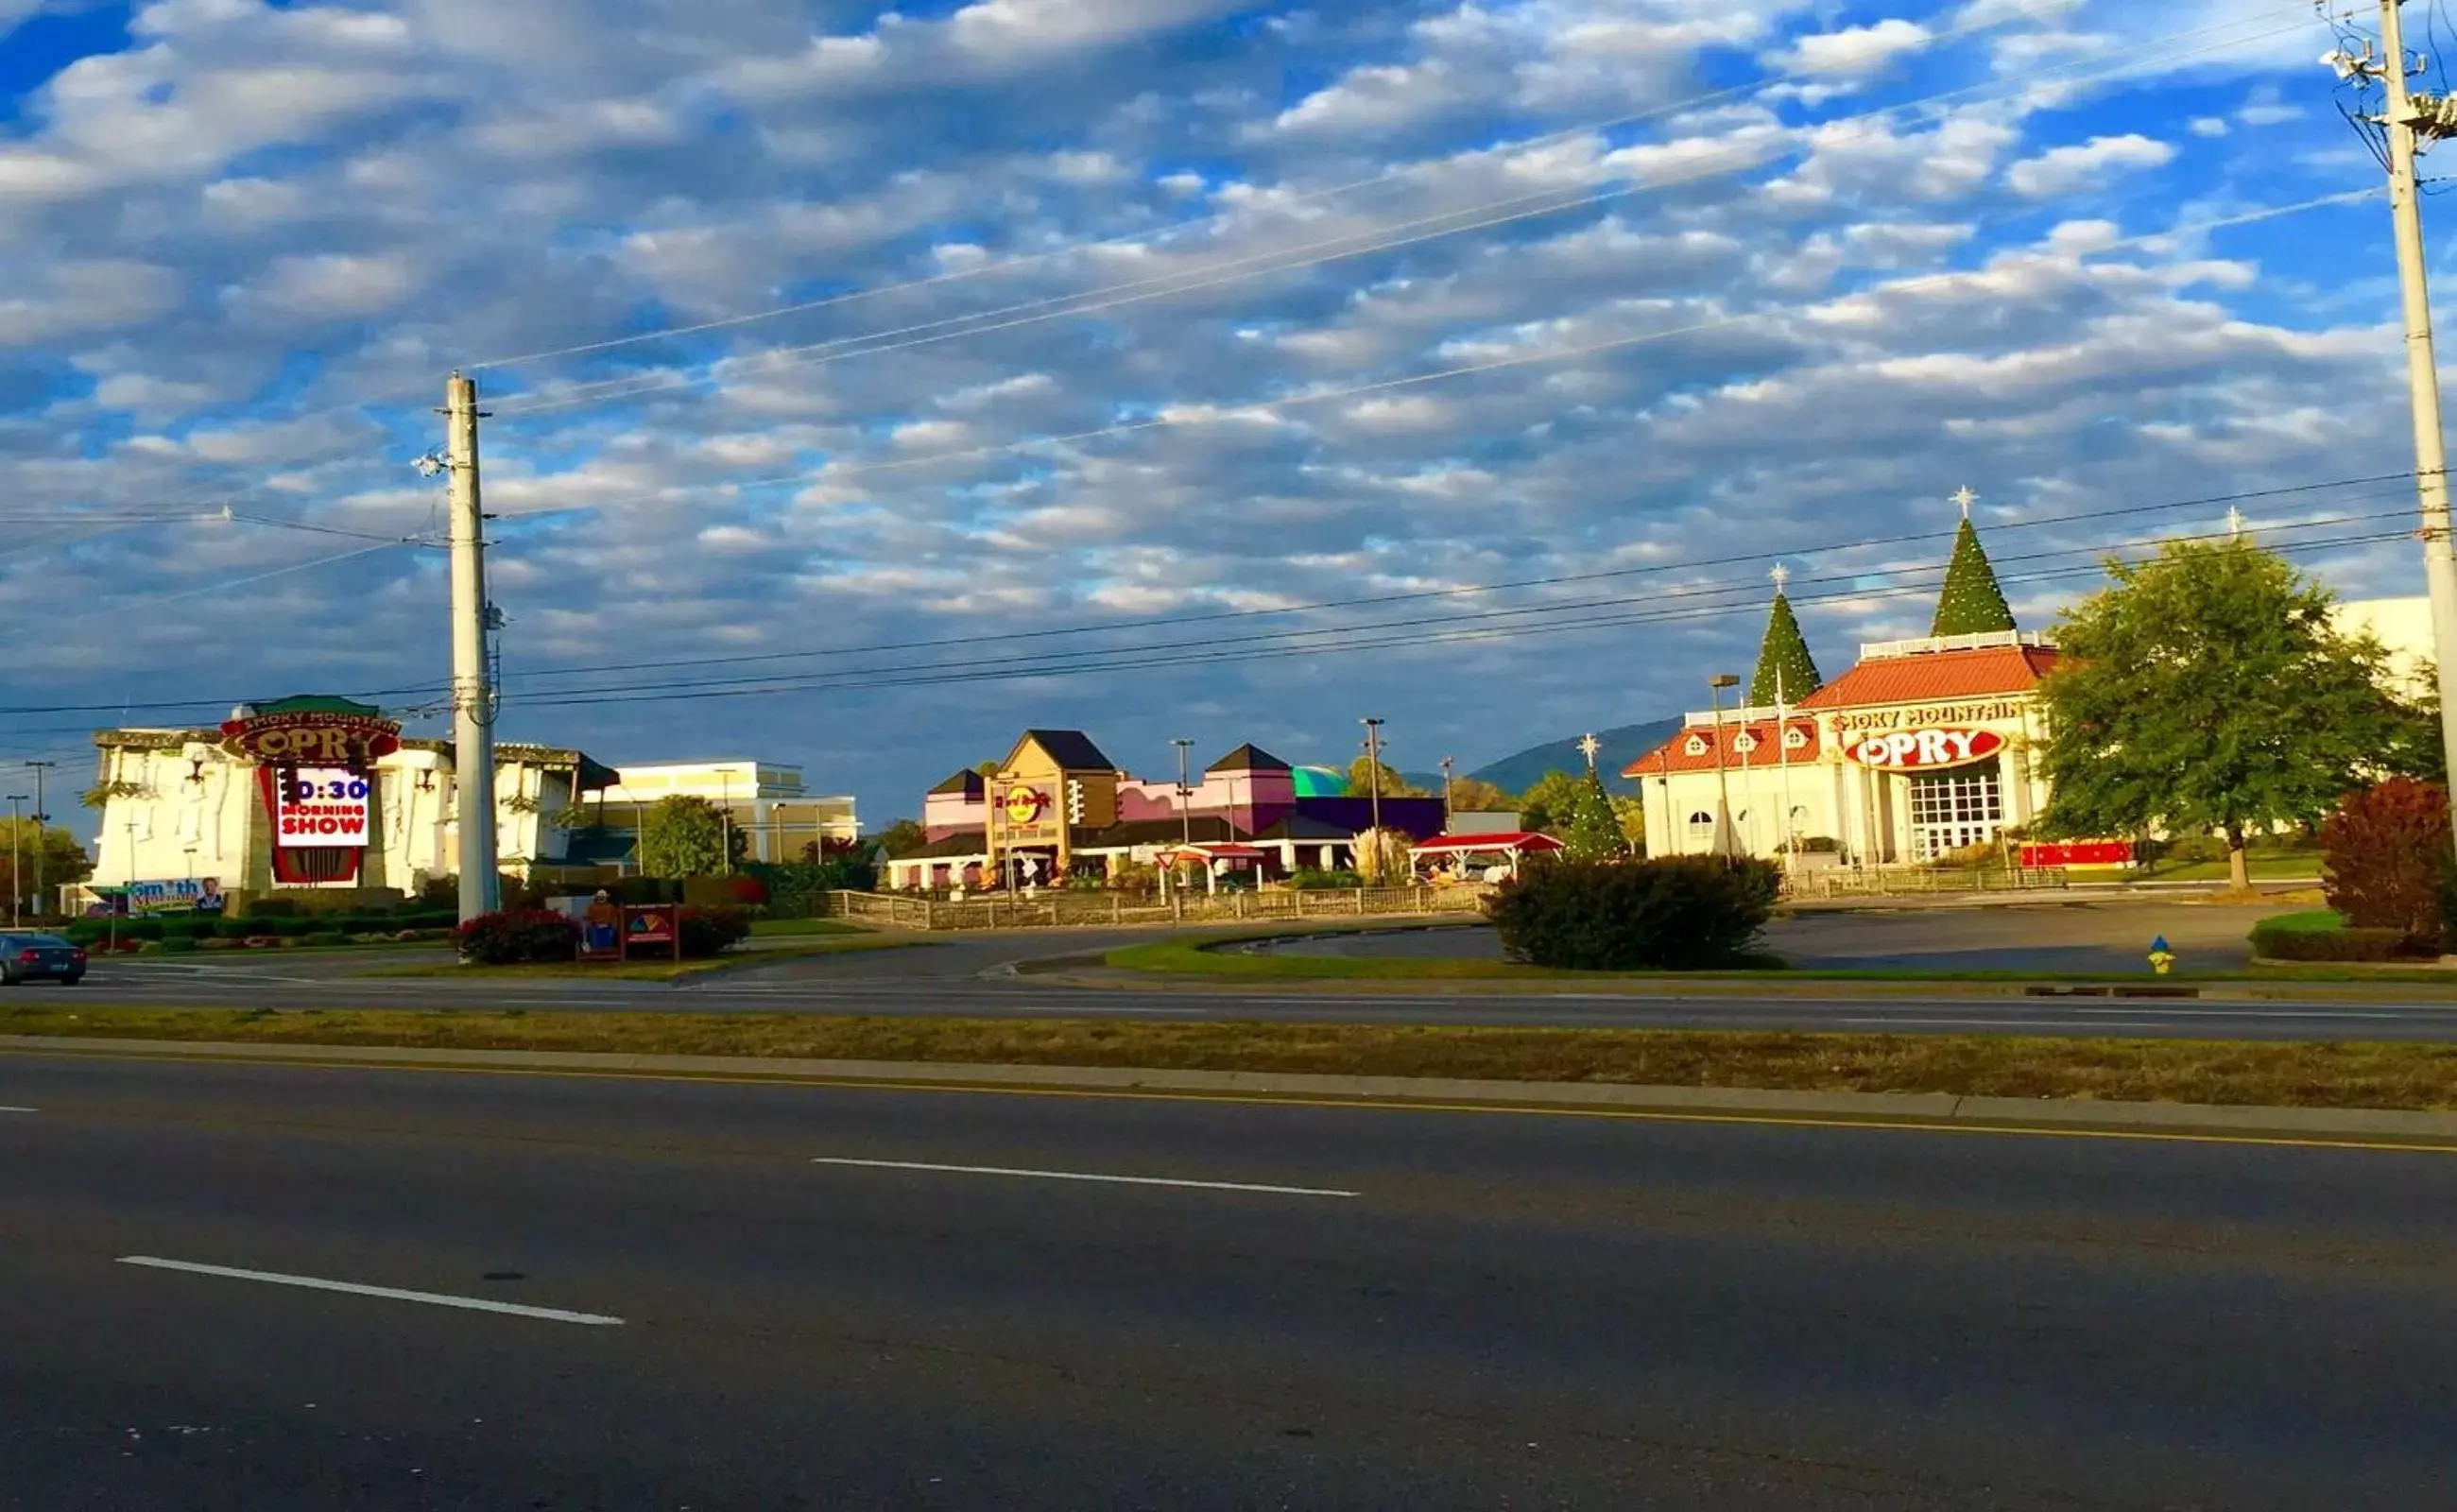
2339, 1075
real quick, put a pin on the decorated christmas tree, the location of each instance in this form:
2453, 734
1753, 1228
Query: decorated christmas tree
1971, 603
1594, 832
1786, 673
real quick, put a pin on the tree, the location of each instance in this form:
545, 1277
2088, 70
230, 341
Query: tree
52, 854
1360, 779
683, 837
1593, 833
1549, 806
2206, 690
1631, 812
1784, 665
1971, 603
1383, 858
1477, 796
2388, 850
901, 839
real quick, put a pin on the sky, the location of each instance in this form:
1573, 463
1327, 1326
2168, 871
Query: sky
868, 384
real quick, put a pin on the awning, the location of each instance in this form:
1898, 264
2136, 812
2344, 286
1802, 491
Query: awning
1512, 843
1216, 853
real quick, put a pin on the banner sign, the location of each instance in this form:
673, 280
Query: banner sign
1925, 750
310, 735
192, 895
653, 926
2084, 853
319, 806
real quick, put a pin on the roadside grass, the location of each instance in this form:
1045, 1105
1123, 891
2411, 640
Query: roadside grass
2390, 1075
1191, 958
652, 970
2309, 922
2263, 865
805, 927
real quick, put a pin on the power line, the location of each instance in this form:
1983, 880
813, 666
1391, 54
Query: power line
1963, 32
1385, 386
1193, 280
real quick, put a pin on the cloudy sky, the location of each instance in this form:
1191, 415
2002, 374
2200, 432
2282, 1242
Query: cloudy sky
868, 384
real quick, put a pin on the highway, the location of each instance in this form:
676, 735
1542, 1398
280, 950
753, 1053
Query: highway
263, 1288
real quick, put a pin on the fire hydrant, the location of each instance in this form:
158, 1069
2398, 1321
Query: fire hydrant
2161, 958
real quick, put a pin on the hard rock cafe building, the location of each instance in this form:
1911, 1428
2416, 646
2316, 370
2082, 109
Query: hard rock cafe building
1923, 748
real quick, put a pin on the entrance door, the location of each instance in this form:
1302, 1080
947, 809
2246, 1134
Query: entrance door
1952, 810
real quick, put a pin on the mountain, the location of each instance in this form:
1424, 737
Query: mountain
1517, 774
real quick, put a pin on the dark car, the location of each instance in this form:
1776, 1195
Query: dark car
27, 958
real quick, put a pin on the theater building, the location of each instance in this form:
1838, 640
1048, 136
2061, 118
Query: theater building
1922, 749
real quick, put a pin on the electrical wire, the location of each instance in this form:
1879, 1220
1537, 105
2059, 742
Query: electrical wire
1191, 280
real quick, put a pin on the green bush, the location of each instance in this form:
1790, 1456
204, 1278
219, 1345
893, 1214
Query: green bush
328, 937
2331, 944
518, 937
712, 931
1675, 914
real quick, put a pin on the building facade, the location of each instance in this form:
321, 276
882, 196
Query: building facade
1057, 807
766, 803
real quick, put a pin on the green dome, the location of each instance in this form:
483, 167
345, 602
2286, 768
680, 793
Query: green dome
1319, 782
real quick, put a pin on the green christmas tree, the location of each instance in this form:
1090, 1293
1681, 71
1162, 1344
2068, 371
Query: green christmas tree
1594, 832
1786, 673
1971, 603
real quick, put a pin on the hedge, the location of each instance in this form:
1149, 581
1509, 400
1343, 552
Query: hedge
1672, 914
2332, 945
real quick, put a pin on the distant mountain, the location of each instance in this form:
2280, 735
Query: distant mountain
1517, 774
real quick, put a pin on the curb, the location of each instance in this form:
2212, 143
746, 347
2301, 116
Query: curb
2341, 1125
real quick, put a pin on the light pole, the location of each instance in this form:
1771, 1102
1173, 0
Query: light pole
1373, 768
1715, 687
42, 827
1185, 791
1448, 762
17, 881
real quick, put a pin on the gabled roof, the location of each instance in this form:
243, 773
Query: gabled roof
1249, 757
1926, 676
969, 782
1071, 749
1693, 749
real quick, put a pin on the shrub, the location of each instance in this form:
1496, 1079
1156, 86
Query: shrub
1312, 879
712, 931
1675, 914
1819, 845
326, 936
2387, 853
2331, 944
518, 936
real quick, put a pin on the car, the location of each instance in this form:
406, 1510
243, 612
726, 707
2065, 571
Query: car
26, 957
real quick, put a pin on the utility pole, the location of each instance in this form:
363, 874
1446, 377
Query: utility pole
1448, 762
17, 878
42, 831
2410, 120
473, 702
1185, 793
1373, 771
1715, 687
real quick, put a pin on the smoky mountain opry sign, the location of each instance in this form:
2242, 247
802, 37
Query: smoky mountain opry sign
1925, 749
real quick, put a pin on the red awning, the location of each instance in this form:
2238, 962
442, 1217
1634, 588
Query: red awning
1486, 845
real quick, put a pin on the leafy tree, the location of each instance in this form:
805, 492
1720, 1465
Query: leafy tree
903, 838
1475, 796
1784, 665
987, 769
48, 853
1971, 603
2206, 689
1631, 812
1593, 833
683, 837
1360, 780
1552, 803
2388, 852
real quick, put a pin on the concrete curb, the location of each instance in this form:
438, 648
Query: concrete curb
1932, 1109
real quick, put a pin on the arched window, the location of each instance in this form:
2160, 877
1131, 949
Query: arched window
1695, 745
1745, 742
1795, 740
1701, 829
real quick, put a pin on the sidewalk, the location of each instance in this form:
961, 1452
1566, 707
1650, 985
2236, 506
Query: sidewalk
2349, 1127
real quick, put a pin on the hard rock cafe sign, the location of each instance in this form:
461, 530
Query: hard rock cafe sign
1025, 806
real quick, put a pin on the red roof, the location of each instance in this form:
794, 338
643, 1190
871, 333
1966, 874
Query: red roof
1926, 676
1506, 841
1680, 755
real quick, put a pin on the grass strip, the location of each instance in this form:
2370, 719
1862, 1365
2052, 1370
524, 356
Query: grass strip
805, 927
2386, 1075
652, 970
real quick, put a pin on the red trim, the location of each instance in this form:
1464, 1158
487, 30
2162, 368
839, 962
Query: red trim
1674, 756
1507, 841
1929, 676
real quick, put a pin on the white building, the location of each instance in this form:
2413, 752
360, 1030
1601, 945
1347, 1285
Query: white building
765, 803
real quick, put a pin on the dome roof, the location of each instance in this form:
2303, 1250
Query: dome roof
1320, 782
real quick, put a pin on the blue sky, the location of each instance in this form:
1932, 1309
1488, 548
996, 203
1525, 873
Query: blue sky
967, 355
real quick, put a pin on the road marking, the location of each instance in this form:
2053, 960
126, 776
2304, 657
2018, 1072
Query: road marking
1086, 1175
311, 1283
17, 1109
2419, 1145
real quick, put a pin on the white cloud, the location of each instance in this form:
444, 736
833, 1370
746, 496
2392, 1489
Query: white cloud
1855, 50
2090, 165
2208, 126
325, 286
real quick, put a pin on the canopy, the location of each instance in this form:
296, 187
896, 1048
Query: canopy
1203, 852
1509, 843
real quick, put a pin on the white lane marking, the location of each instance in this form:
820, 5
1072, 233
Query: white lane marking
311, 1283
1086, 1175
18, 1110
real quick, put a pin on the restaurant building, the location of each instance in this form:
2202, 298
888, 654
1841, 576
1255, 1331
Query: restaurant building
1058, 807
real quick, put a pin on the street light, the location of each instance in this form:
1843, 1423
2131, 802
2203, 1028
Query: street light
1373, 768
1184, 791
1715, 687
16, 882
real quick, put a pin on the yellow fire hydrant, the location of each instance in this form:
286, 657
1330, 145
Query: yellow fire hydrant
2161, 958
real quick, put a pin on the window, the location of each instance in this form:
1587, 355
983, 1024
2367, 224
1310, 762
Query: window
1745, 742
1696, 745
1702, 830
1795, 740
1952, 810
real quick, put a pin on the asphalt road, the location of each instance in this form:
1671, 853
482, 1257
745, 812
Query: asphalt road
1386, 1309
